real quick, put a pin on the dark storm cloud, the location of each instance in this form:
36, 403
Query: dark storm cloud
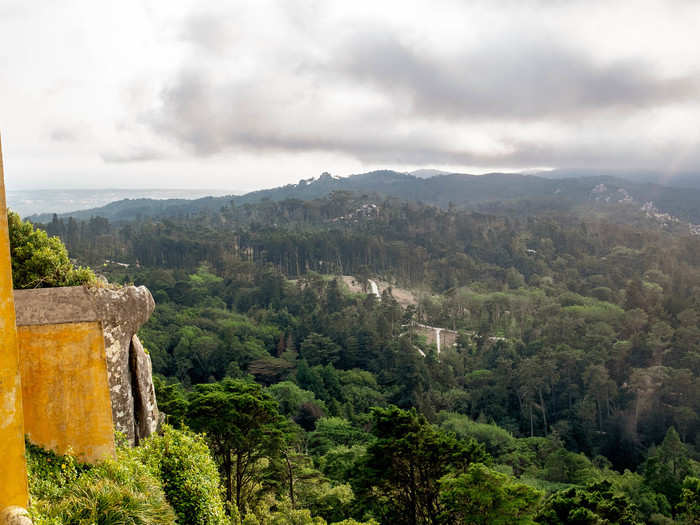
513, 77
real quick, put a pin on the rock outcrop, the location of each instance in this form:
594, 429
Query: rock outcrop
121, 312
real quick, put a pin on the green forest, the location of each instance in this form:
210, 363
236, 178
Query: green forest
571, 394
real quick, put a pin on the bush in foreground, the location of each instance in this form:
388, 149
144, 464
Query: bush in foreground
120, 491
40, 261
170, 478
181, 460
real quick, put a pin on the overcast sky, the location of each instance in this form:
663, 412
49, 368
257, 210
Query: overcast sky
243, 95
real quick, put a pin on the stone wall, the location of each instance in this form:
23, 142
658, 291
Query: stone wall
121, 313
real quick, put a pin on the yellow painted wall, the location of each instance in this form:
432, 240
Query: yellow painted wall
13, 471
65, 389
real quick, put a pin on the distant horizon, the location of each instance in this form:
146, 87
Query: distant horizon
54, 200
12, 186
28, 189
32, 201
664, 177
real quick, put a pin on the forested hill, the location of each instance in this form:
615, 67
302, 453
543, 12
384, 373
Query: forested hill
576, 364
459, 190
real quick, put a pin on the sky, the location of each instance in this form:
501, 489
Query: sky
241, 95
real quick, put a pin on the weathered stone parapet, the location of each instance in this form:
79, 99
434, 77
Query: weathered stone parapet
121, 312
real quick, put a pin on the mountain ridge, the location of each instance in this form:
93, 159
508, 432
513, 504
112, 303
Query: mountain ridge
443, 190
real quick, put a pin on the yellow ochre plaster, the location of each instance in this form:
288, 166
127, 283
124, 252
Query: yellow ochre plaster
13, 469
67, 405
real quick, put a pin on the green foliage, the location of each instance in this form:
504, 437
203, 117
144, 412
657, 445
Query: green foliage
596, 311
275, 512
399, 475
331, 432
114, 492
596, 504
497, 441
576, 340
50, 473
280, 512
482, 496
646, 500
319, 350
339, 462
243, 427
290, 397
182, 462
332, 502
172, 400
563, 466
667, 466
689, 506
353, 522
40, 261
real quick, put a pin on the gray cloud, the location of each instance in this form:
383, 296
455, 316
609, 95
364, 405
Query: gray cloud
132, 155
516, 80
213, 32
247, 94
64, 134
512, 77
211, 119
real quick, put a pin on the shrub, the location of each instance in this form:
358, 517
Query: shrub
690, 500
182, 462
40, 261
595, 503
120, 491
497, 440
481, 495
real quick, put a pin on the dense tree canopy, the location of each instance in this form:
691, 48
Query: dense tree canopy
573, 380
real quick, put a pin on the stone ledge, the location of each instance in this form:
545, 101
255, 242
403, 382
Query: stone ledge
74, 304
